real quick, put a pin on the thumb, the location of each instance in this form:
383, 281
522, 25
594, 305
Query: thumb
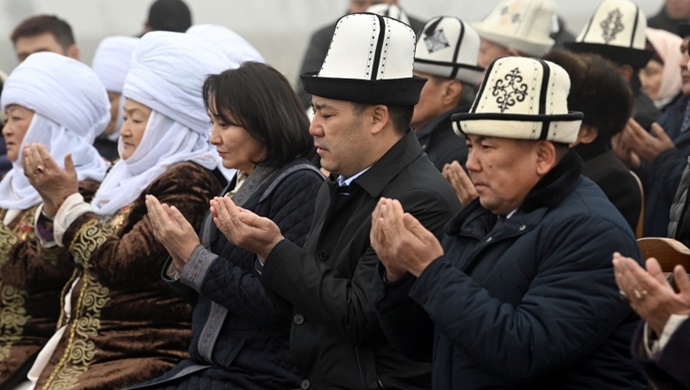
251, 219
69, 164
177, 216
659, 132
680, 276
413, 225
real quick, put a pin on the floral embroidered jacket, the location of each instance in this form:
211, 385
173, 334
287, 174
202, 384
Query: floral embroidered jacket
126, 326
31, 280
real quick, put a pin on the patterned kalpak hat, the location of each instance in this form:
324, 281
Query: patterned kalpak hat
447, 47
370, 61
522, 98
616, 31
524, 25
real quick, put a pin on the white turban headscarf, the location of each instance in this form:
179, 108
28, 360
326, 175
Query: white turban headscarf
111, 62
166, 74
233, 45
71, 108
666, 45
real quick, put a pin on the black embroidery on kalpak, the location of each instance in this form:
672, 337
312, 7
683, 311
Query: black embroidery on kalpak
434, 38
511, 91
612, 25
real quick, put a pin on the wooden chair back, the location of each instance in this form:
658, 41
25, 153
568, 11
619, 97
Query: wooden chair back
640, 221
668, 251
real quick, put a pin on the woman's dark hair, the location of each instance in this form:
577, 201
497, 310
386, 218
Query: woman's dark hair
261, 100
597, 89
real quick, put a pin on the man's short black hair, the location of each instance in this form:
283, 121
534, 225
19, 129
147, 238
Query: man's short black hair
41, 24
400, 116
169, 15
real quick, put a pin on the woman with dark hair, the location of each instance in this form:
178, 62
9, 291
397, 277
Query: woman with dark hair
600, 92
240, 338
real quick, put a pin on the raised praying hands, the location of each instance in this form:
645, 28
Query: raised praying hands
635, 142
649, 293
53, 183
172, 230
460, 181
401, 242
245, 229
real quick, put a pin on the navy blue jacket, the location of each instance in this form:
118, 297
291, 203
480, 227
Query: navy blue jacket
662, 178
531, 303
439, 141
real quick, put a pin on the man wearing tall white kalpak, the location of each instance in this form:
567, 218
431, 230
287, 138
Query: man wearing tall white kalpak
363, 99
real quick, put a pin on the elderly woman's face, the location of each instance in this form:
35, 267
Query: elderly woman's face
132, 131
18, 121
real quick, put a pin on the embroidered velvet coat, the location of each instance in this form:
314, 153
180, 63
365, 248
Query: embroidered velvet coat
126, 325
31, 281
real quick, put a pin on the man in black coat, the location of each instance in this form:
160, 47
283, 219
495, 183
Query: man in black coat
363, 101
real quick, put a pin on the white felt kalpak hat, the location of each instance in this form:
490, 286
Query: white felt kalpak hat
370, 61
524, 25
616, 31
447, 47
111, 61
389, 10
522, 98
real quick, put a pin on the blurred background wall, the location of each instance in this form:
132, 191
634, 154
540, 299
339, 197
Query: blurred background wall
279, 29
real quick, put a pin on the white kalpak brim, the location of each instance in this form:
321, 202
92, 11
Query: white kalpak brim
556, 128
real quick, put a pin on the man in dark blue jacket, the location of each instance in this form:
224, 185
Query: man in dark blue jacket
521, 292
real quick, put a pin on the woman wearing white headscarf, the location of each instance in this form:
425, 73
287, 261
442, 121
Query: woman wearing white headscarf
661, 77
58, 102
233, 45
111, 62
125, 325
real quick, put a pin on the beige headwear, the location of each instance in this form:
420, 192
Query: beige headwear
522, 98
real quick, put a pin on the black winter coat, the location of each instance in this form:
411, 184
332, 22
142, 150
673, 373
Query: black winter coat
531, 303
439, 141
603, 167
252, 349
336, 340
